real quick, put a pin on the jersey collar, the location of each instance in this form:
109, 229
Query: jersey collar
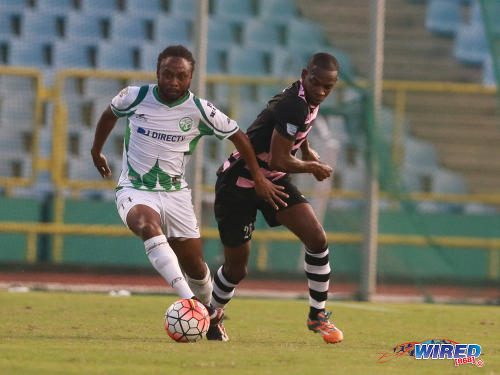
302, 94
170, 105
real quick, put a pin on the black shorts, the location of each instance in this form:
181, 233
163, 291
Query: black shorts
236, 209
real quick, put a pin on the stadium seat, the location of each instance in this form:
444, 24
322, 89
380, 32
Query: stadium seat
246, 61
488, 73
278, 9
419, 153
15, 164
352, 178
304, 33
182, 9
81, 26
13, 5
217, 61
170, 30
10, 22
241, 10
101, 7
17, 112
79, 113
40, 25
149, 55
446, 182
55, 5
247, 114
114, 56
471, 45
67, 54
443, 16
146, 8
221, 33
25, 52
97, 88
263, 34
22, 85
128, 27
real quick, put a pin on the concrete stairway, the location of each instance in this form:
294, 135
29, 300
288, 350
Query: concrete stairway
465, 129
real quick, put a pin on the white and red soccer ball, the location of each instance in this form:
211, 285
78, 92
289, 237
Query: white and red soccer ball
186, 320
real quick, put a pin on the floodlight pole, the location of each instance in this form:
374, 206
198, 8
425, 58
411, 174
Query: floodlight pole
369, 258
199, 81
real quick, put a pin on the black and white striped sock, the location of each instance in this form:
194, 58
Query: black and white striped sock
223, 289
317, 267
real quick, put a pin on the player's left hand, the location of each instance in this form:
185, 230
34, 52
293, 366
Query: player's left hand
310, 155
271, 193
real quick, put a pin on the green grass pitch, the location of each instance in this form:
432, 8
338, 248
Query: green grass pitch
80, 333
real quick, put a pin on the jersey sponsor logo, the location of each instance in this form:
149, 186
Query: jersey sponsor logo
185, 123
160, 136
291, 129
212, 107
140, 117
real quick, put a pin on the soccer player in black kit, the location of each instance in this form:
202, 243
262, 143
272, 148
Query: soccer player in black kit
276, 135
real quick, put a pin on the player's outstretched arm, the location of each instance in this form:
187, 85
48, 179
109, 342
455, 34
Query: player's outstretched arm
308, 154
264, 188
281, 159
104, 126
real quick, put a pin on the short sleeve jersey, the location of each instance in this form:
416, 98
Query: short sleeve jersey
290, 115
160, 137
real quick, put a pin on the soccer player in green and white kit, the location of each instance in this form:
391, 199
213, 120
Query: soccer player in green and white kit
164, 123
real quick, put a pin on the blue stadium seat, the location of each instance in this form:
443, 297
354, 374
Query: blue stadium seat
304, 33
55, 5
352, 178
15, 164
488, 73
15, 115
28, 53
241, 10
246, 61
81, 26
443, 16
247, 114
185, 9
149, 8
419, 153
39, 25
221, 33
170, 30
447, 182
67, 54
471, 45
10, 22
149, 55
262, 34
284, 63
128, 27
114, 56
13, 5
217, 60
101, 7
278, 9
104, 88
22, 85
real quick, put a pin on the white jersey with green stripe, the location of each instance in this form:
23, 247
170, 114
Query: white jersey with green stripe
160, 137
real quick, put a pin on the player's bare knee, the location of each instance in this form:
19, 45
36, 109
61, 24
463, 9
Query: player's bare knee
235, 272
148, 230
318, 242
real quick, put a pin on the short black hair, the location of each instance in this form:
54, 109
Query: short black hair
176, 51
323, 60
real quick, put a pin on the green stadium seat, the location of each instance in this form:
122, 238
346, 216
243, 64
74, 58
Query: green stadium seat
246, 61
278, 9
263, 34
447, 182
221, 33
183, 9
149, 8
101, 7
419, 153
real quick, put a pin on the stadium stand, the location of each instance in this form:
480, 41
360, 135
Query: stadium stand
443, 16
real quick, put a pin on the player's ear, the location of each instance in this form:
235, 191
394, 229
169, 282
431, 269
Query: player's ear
304, 74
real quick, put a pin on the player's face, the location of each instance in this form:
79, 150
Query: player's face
318, 83
174, 78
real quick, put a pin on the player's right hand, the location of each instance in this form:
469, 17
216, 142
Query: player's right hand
101, 163
271, 193
321, 171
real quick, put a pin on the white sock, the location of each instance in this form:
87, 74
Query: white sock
202, 289
164, 260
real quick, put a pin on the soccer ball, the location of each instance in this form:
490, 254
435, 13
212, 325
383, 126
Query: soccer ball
186, 320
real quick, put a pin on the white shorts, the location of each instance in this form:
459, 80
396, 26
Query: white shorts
175, 209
